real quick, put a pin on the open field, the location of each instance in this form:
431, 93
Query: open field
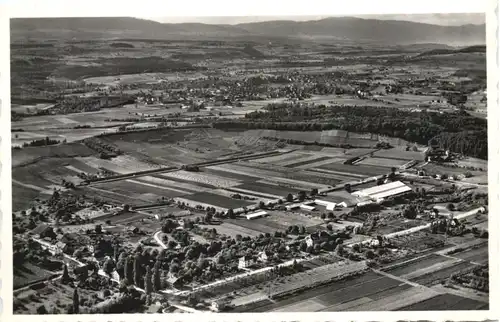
446, 302
30, 273
215, 199
359, 170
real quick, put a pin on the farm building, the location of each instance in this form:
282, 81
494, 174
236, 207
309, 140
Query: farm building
383, 191
328, 204
219, 304
307, 208
263, 256
257, 214
245, 261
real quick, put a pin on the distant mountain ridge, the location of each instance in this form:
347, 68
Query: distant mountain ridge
329, 29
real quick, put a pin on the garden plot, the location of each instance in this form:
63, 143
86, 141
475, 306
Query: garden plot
203, 178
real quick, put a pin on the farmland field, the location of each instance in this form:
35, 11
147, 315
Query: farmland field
258, 225
218, 200
268, 188
436, 276
382, 162
446, 302
399, 154
415, 264
29, 273
305, 162
355, 169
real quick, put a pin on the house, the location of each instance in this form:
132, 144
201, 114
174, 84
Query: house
257, 214
41, 230
61, 247
173, 280
219, 304
245, 261
263, 256
316, 238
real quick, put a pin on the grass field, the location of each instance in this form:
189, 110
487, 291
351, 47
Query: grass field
29, 273
258, 225
437, 275
416, 264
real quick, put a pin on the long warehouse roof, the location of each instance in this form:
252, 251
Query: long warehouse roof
385, 190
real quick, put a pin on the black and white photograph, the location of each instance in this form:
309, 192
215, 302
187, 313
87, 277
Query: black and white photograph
249, 164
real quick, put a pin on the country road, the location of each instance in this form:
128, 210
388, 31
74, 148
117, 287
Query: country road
158, 240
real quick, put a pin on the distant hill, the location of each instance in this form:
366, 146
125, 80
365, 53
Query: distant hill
470, 49
325, 30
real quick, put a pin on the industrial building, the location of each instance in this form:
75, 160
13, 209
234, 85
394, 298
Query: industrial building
381, 192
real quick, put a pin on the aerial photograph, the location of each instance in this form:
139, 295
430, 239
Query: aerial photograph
249, 164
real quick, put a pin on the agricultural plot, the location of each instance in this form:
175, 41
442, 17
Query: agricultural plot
29, 273
415, 264
287, 219
23, 197
258, 225
359, 170
166, 184
203, 178
268, 189
278, 159
312, 161
218, 200
476, 255
399, 154
382, 162
436, 276
446, 302
232, 230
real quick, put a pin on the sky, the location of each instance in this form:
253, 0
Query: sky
454, 19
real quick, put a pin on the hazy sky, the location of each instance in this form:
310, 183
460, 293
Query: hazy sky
438, 19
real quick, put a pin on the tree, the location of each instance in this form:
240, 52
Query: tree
109, 266
410, 212
230, 213
450, 207
157, 276
314, 191
98, 229
329, 227
347, 187
116, 252
262, 205
302, 195
137, 271
65, 276
289, 198
76, 301
302, 230
148, 285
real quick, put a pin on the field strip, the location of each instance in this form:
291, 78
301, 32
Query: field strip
158, 187
279, 158
318, 163
304, 158
400, 300
463, 292
228, 193
332, 176
231, 168
30, 186
116, 194
465, 246
298, 183
173, 185
255, 193
398, 278
302, 306
430, 269
209, 179
347, 305
248, 299
347, 174
72, 168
